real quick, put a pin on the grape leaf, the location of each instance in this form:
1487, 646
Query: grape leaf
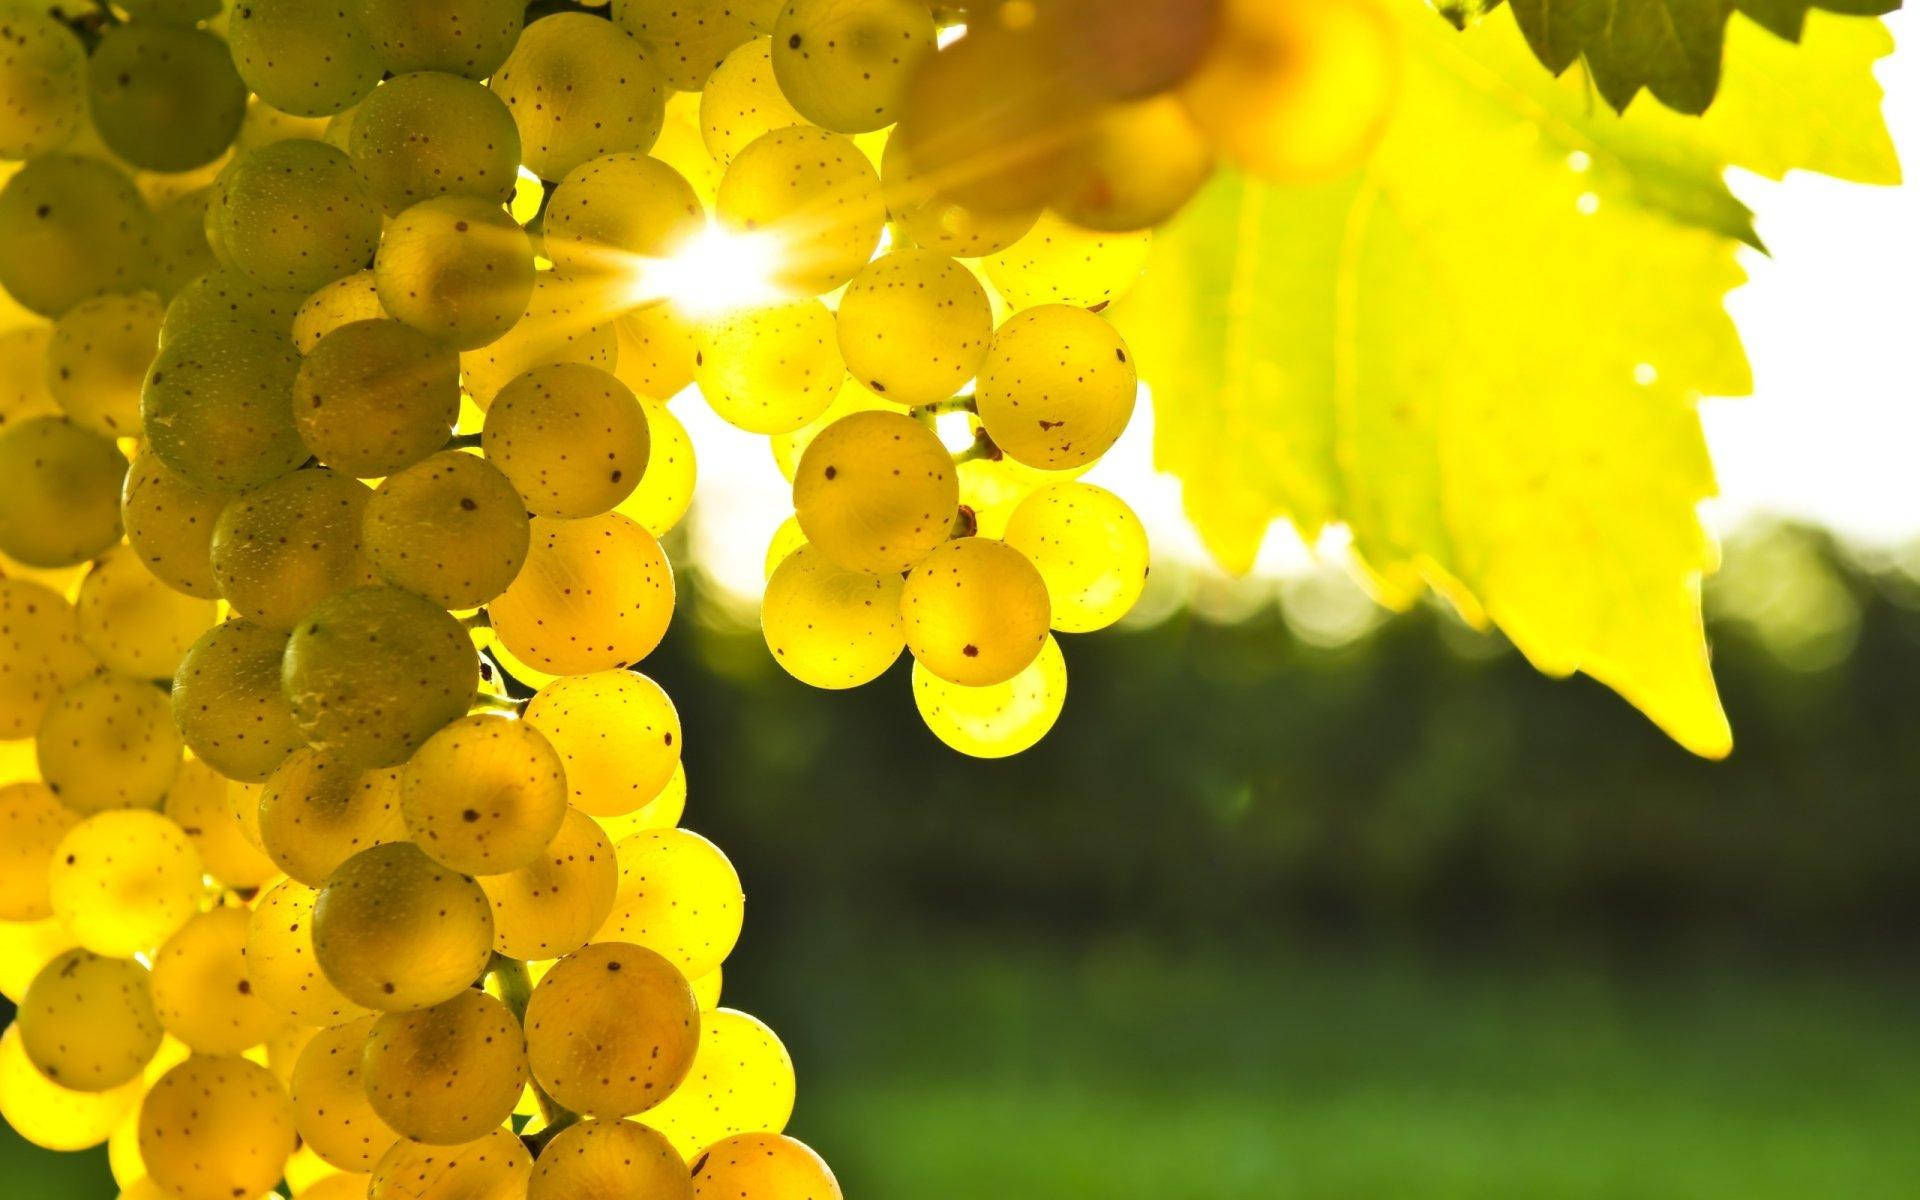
1481, 351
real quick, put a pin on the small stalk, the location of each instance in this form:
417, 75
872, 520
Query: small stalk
516, 990
940, 408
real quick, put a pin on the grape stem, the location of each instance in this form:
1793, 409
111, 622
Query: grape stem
963, 404
983, 448
516, 989
462, 441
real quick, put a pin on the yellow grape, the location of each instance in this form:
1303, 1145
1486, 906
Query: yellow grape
25, 947
937, 222
179, 248
1059, 263
679, 897
741, 1082
331, 1107
784, 542
611, 1030
689, 40
846, 65
123, 881
283, 547
706, 989
23, 375
853, 397
201, 987
281, 963
374, 396
71, 228
282, 1052
596, 594
59, 492
1088, 546
348, 299
123, 1161
770, 369
450, 527
579, 88
681, 147
494, 1167
665, 490
456, 269
484, 795
662, 812
317, 811
975, 612
762, 1166
473, 148
164, 98
743, 100
264, 123
612, 213
108, 742
816, 195
223, 296
1134, 167
467, 37
217, 406
295, 214
609, 1158
205, 805
657, 345
393, 930
134, 623
1058, 387
554, 904
828, 626
88, 1022
914, 326
43, 74
228, 702
1000, 719
571, 438
876, 492
50, 1116
41, 654
97, 359
32, 822
301, 57
446, 1074
216, 1128
616, 732
564, 322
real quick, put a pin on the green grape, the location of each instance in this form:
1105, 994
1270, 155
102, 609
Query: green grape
218, 409
169, 524
216, 1128
1058, 263
579, 88
562, 324
432, 134
108, 742
209, 806
571, 438
830, 627
201, 989
164, 98
88, 1022
373, 397
706, 990
97, 359
281, 962
446, 1074
32, 822
787, 448
615, 209
876, 492
770, 369
662, 812
373, 672
999, 719
70, 229
743, 100
41, 654
23, 377
937, 222
484, 795
451, 528
457, 269
281, 548
303, 58
466, 37
296, 214
395, 930
132, 622
1135, 167
657, 345
975, 611
264, 123
617, 734
317, 811
689, 40
53, 1117
228, 704
609, 1158
348, 299
786, 539
611, 1030
1090, 549
679, 897
224, 296
741, 1082
914, 326
330, 1103
122, 881
665, 491
595, 594
551, 906
816, 195
494, 1167
43, 81
763, 1166
61, 493
846, 66
180, 250
1058, 387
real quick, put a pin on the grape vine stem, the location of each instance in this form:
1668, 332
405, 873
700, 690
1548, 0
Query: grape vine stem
516, 989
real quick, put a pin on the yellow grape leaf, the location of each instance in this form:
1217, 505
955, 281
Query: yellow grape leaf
1482, 351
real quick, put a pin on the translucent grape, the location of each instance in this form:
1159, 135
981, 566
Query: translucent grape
457, 269
1058, 263
743, 100
446, 1074
656, 350
134, 623
570, 437
662, 812
23, 377
303, 58
616, 208
679, 897
375, 396
1088, 546
43, 79
217, 406
611, 1030
484, 795
109, 742
816, 194
281, 548
688, 40
208, 808
784, 542
41, 654
32, 822
1000, 719
228, 704
665, 491
430, 134
937, 222
163, 97
296, 214
1134, 167
467, 37
394, 930
494, 1167
180, 250
1058, 387
201, 988
787, 448
97, 360
451, 528
123, 881
579, 88
595, 594
562, 324
330, 1102
764, 1166
875, 491
216, 1128
71, 228
225, 296
741, 1082
348, 299
617, 734
25, 947
609, 1158
50, 1116
373, 672
87, 1021
281, 963
680, 146
337, 1187
914, 326
975, 611
770, 369
554, 904
317, 811
845, 65
828, 626
59, 492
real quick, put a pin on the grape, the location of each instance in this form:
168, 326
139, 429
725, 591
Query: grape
70, 229
1135, 167
375, 396
295, 214
975, 612
283, 547
770, 369
23, 378
373, 672
330, 1103
813, 191
50, 1116
317, 811
43, 100
611, 1030
595, 594
281, 963
88, 1022
208, 807
561, 325
1058, 263
784, 542
466, 37
689, 40
787, 448
432, 134
304, 58
846, 65
348, 299
579, 88
61, 484
914, 326
554, 904
40, 654
609, 1158
679, 897
25, 947
763, 1166
680, 146
656, 350
217, 406
446, 1074
132, 622
743, 100
451, 528
741, 1082
164, 98
612, 210
485, 795
264, 123
32, 822
570, 437
941, 224
223, 296
123, 881
228, 704
494, 1167
1057, 388
876, 492
1000, 719
97, 359
201, 988
663, 811
457, 269
394, 930
216, 1128
1090, 549
617, 734
108, 742
828, 626
337, 1187
665, 491
179, 246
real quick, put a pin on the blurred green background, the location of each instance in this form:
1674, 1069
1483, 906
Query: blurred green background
1302, 902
